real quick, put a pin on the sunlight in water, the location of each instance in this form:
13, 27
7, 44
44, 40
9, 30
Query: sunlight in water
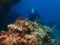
33, 11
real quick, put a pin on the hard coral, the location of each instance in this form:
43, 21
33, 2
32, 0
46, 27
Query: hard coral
26, 32
16, 35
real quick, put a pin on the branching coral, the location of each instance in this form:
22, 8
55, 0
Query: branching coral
25, 32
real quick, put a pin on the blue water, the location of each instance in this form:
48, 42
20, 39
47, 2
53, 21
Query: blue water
49, 11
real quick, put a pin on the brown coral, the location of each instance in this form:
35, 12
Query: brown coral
17, 34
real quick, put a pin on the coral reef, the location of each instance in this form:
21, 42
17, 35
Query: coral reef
26, 32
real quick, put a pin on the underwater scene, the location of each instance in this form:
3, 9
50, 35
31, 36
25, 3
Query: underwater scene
29, 22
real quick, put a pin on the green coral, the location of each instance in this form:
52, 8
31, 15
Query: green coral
44, 32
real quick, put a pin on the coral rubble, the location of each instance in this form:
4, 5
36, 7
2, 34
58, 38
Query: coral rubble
26, 32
